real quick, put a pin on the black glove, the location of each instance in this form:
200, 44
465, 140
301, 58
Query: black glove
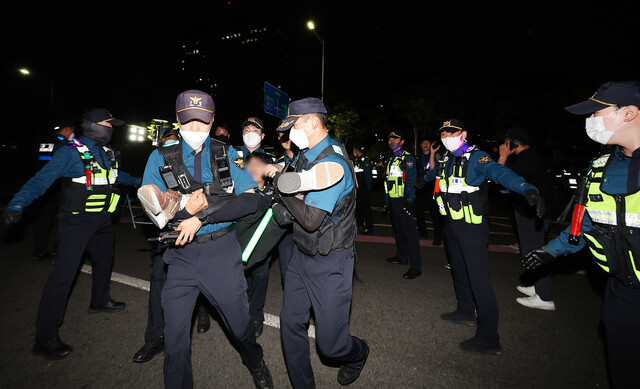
282, 215
10, 216
534, 199
410, 208
536, 258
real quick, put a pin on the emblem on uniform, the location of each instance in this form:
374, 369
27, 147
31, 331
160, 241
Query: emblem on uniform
409, 163
337, 149
239, 162
195, 101
484, 159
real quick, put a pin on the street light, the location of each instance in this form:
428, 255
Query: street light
311, 26
24, 71
27, 72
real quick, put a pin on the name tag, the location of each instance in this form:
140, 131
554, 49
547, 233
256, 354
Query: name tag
456, 185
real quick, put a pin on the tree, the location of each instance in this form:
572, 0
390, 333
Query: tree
344, 122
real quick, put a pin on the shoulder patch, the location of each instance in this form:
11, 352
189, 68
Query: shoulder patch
239, 162
337, 149
484, 159
409, 163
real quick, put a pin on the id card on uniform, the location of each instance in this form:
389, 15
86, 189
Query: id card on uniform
395, 171
456, 185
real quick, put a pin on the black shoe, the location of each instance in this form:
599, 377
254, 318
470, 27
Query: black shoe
411, 274
397, 260
481, 346
204, 323
258, 327
458, 318
109, 307
149, 350
261, 376
347, 375
52, 349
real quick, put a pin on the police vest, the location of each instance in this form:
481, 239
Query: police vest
95, 192
338, 229
456, 197
396, 176
614, 240
359, 171
176, 176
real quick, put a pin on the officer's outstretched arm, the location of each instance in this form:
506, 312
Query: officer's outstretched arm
485, 166
310, 218
430, 175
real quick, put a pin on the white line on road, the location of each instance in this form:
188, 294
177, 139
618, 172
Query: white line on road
269, 319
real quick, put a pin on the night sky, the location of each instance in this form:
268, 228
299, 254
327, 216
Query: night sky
492, 65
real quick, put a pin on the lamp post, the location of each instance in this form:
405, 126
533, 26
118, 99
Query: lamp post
311, 26
27, 72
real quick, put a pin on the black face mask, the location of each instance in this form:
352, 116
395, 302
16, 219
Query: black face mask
97, 132
221, 138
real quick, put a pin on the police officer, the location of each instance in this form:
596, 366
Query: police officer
462, 197
210, 261
286, 245
89, 172
610, 226
400, 194
424, 193
319, 274
63, 132
363, 171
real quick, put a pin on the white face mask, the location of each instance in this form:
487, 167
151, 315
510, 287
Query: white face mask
453, 143
194, 139
597, 131
299, 138
251, 139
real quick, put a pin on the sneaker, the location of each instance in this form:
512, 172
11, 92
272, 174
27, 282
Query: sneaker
261, 376
528, 290
536, 302
160, 206
321, 176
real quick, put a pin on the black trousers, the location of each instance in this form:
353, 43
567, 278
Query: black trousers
406, 234
467, 246
155, 317
76, 233
532, 232
285, 252
425, 202
621, 317
257, 281
214, 269
46, 216
363, 208
322, 283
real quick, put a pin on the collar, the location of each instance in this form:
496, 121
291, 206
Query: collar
87, 142
620, 155
463, 149
245, 150
186, 149
312, 153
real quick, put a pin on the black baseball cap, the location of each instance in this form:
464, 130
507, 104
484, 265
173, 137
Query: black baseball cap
452, 125
621, 93
169, 132
194, 104
301, 107
518, 133
96, 115
255, 121
396, 134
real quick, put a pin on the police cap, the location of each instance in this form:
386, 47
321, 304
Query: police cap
194, 104
452, 125
396, 134
299, 108
97, 115
252, 120
609, 94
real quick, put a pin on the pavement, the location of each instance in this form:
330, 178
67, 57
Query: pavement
410, 346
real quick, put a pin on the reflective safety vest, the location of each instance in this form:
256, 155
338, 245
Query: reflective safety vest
396, 176
94, 192
456, 197
614, 240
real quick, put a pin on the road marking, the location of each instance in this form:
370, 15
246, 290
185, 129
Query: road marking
269, 319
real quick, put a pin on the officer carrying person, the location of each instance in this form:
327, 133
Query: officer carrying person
462, 197
205, 258
611, 224
89, 172
400, 197
363, 169
320, 272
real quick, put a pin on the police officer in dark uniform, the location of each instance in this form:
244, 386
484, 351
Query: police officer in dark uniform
400, 194
364, 175
63, 131
319, 274
611, 227
462, 197
287, 160
89, 171
210, 261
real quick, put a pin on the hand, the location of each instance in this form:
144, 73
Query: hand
536, 258
505, 150
534, 199
272, 169
10, 216
197, 202
188, 229
282, 215
434, 149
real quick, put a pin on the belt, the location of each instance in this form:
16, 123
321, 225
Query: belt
213, 235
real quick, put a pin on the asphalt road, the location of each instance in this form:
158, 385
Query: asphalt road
410, 346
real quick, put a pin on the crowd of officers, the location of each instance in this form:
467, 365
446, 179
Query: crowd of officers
448, 178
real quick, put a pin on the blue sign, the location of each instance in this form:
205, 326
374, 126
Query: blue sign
276, 102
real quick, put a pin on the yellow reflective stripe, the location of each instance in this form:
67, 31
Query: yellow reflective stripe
600, 258
633, 265
114, 203
92, 210
441, 208
97, 196
94, 203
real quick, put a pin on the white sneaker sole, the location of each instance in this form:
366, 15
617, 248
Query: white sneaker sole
545, 306
152, 207
321, 176
528, 290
